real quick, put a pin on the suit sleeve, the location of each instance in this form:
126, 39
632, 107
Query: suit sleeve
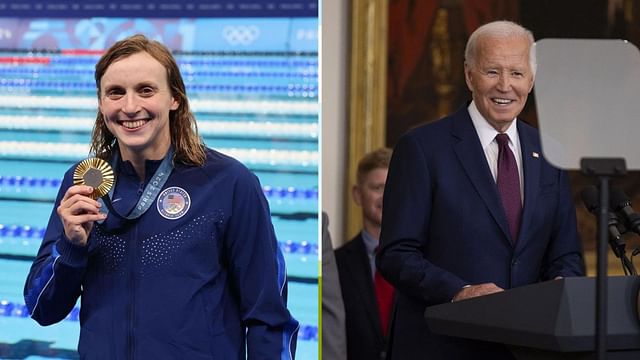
564, 252
258, 271
54, 281
405, 221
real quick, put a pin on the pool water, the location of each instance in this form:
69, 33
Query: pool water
260, 108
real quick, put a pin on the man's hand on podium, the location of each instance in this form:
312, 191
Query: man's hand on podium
471, 291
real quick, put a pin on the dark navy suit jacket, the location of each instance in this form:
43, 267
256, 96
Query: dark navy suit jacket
365, 339
444, 227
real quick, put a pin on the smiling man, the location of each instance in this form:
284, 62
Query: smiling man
470, 205
180, 260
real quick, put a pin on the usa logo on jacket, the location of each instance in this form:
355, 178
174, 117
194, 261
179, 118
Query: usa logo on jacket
173, 203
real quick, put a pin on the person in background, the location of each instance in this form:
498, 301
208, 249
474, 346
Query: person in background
367, 296
334, 341
180, 260
471, 207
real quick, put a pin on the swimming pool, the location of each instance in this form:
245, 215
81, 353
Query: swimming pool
259, 107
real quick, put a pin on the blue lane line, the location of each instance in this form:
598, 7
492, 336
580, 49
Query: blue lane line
297, 90
269, 191
201, 73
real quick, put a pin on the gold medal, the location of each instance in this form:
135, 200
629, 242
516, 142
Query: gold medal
96, 173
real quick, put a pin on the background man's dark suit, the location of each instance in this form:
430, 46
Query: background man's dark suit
365, 339
444, 227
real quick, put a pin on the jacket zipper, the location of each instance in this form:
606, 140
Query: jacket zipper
133, 246
132, 291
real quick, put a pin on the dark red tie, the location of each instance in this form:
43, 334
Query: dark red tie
384, 295
509, 185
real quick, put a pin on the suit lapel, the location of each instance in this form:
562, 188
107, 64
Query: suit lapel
529, 145
362, 274
471, 155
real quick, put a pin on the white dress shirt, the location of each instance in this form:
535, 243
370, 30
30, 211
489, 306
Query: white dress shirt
487, 135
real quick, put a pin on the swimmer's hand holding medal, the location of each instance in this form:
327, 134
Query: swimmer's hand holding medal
77, 215
96, 173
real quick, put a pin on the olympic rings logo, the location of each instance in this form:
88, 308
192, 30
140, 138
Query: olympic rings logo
5, 34
240, 35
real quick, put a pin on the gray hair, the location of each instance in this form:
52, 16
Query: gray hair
500, 29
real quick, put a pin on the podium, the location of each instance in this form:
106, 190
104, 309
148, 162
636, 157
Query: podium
548, 320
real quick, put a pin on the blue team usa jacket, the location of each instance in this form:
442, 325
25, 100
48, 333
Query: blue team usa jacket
197, 276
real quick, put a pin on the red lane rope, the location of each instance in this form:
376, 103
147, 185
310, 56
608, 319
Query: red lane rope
81, 52
24, 60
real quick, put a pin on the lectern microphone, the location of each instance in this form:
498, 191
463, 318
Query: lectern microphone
621, 203
590, 197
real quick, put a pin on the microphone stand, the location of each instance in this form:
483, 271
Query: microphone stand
632, 223
628, 265
603, 169
626, 262
619, 250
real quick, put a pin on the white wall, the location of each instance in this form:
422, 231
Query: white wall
334, 30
